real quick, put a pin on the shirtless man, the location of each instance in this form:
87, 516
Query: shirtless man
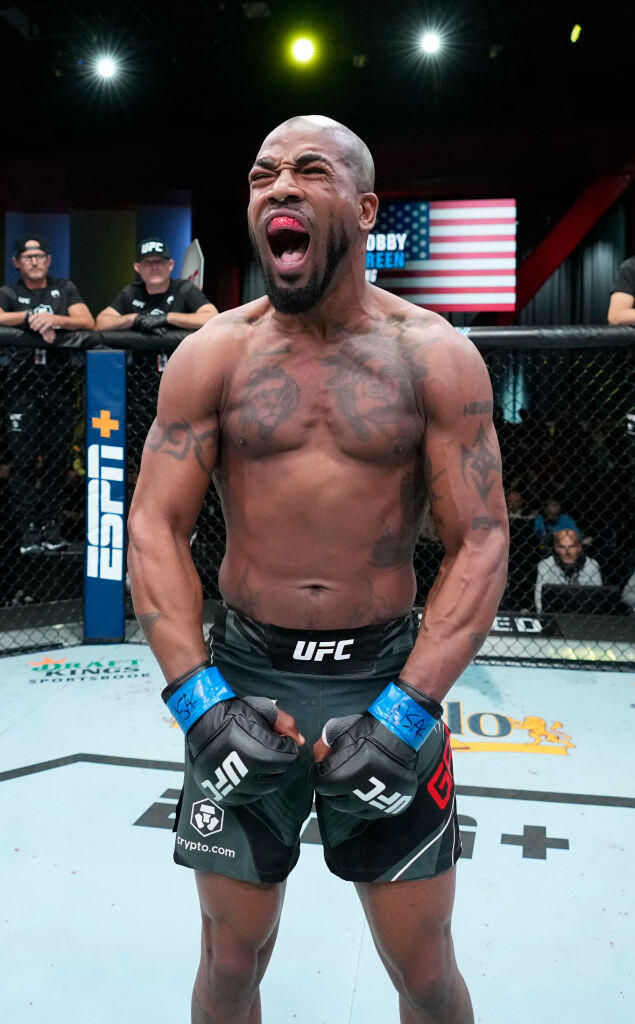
330, 414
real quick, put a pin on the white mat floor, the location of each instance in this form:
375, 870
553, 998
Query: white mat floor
98, 925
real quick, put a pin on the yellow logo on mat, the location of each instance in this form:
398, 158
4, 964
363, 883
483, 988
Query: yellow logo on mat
496, 732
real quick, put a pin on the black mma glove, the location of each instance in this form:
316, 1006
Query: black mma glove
235, 755
370, 770
151, 323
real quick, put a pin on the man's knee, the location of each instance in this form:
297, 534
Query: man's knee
230, 960
428, 978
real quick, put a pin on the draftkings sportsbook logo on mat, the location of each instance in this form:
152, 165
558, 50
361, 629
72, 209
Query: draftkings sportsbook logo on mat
58, 669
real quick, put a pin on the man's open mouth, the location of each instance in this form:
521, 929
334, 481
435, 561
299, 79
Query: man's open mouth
288, 240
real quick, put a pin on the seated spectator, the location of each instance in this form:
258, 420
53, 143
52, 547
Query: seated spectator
568, 566
516, 508
40, 402
157, 302
553, 521
628, 592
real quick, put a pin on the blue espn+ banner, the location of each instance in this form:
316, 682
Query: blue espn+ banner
105, 496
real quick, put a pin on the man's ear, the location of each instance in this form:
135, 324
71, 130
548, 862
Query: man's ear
368, 205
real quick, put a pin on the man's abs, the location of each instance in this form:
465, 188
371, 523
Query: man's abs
318, 603
330, 552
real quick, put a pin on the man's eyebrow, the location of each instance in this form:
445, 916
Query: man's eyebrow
309, 158
306, 158
265, 162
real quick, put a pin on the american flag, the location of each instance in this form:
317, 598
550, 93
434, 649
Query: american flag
456, 255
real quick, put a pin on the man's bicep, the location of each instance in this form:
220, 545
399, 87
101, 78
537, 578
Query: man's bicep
463, 478
462, 457
180, 450
176, 467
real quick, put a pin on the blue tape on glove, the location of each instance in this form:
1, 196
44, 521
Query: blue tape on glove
200, 693
403, 716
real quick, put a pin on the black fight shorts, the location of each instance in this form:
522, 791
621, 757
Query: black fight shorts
315, 675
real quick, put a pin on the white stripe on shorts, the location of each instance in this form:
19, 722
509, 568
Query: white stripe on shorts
428, 845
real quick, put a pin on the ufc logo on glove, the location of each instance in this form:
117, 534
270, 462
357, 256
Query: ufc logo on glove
227, 776
230, 744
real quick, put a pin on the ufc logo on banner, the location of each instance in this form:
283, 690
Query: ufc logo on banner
311, 650
228, 776
375, 797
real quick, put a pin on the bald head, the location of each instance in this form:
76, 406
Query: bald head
354, 151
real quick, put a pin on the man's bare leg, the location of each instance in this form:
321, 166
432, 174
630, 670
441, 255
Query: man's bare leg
410, 925
240, 924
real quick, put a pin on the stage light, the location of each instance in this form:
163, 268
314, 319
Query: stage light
303, 50
430, 42
575, 33
105, 67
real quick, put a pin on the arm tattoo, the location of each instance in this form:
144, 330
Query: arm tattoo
485, 523
478, 408
477, 640
478, 464
178, 439
147, 622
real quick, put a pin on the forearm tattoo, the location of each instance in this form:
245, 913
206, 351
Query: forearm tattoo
178, 439
147, 622
477, 640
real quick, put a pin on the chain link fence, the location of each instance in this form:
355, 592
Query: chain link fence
41, 496
562, 412
562, 415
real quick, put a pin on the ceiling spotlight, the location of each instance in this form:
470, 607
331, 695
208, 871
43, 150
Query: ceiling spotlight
430, 42
105, 67
303, 50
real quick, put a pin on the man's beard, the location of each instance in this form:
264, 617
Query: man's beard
300, 300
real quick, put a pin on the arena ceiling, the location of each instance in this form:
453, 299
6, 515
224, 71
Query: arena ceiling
206, 67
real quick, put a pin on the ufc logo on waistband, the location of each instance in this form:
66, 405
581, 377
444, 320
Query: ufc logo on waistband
375, 797
311, 650
228, 776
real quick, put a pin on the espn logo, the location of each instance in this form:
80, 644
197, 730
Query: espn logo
311, 650
394, 804
227, 776
105, 525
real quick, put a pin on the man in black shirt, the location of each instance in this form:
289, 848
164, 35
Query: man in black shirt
40, 404
622, 304
156, 303
37, 302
